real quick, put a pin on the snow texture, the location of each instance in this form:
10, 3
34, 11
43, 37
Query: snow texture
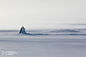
38, 44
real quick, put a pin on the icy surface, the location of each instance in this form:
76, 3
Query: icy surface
54, 44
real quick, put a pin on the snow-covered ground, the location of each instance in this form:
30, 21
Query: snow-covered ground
58, 43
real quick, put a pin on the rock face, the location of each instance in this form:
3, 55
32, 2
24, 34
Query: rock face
22, 30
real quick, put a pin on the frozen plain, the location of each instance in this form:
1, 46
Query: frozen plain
66, 44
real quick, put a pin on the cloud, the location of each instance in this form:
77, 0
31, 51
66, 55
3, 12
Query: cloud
79, 24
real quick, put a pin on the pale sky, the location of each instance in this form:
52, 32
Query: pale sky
42, 14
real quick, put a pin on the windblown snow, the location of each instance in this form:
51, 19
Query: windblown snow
43, 43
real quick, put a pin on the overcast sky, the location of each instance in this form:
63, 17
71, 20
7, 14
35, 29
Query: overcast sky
42, 14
